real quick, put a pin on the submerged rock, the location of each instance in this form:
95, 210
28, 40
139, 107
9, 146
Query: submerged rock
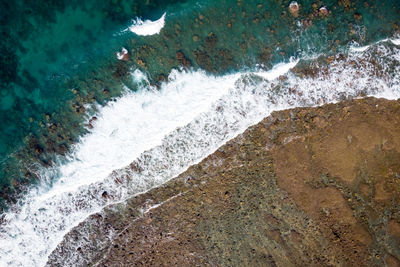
294, 9
323, 11
304, 187
123, 54
182, 60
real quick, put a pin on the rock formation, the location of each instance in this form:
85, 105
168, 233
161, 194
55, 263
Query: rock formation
304, 187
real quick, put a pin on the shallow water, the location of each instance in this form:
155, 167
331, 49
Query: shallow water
73, 113
59, 60
195, 126
45, 45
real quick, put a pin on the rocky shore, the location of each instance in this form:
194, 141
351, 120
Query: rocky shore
218, 38
304, 187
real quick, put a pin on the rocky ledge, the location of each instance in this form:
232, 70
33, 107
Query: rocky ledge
304, 187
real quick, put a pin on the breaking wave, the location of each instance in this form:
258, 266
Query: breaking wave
147, 27
144, 139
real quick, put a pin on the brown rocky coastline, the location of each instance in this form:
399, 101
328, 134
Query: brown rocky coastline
304, 187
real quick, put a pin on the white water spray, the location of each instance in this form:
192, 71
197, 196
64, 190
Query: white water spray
166, 132
147, 27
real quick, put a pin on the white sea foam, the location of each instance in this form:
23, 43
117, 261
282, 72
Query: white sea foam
165, 132
137, 122
122, 53
124, 129
277, 70
396, 41
147, 27
359, 48
251, 98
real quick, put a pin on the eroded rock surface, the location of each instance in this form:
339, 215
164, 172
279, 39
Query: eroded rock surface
304, 187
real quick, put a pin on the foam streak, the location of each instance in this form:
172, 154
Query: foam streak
167, 131
147, 27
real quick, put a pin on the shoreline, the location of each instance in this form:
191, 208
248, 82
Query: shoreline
254, 172
209, 45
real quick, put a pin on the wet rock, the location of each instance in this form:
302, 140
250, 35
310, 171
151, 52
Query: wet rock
161, 78
203, 59
53, 128
323, 11
345, 3
141, 62
79, 109
38, 150
307, 22
123, 54
178, 29
135, 167
211, 41
121, 70
145, 51
50, 146
256, 20
294, 9
225, 60
91, 122
62, 149
314, 6
182, 60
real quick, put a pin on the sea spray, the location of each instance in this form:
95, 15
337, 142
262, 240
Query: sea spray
233, 103
126, 128
147, 27
249, 101
44, 117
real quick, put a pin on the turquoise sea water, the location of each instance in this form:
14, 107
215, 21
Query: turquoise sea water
82, 130
58, 57
44, 45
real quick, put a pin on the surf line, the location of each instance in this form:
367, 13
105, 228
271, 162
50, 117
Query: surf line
214, 110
